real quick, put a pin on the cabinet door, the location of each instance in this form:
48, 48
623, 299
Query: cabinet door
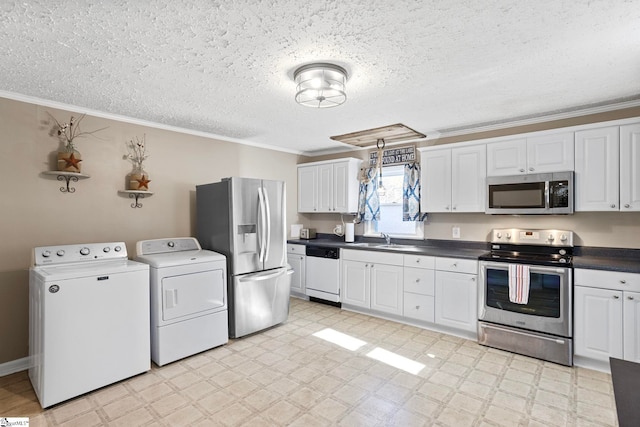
436, 181
340, 187
468, 172
597, 169
355, 283
630, 168
456, 300
550, 153
507, 157
386, 288
297, 262
420, 307
307, 188
631, 326
597, 323
325, 188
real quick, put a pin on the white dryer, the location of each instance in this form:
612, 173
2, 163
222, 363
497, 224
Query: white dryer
88, 319
188, 288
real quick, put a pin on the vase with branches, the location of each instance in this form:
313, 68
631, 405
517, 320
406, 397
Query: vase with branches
138, 178
69, 157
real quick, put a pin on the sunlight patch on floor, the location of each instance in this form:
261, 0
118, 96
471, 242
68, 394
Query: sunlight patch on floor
338, 338
395, 360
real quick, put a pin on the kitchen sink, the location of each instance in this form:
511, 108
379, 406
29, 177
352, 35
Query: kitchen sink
386, 246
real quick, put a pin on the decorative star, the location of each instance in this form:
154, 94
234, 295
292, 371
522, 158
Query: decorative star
72, 162
143, 182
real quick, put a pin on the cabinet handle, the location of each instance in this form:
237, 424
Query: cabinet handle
371, 265
616, 297
531, 169
417, 307
630, 298
613, 206
418, 261
454, 208
447, 207
624, 282
455, 264
473, 279
366, 265
521, 170
417, 280
627, 205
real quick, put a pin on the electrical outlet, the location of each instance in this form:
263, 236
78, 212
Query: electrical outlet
455, 232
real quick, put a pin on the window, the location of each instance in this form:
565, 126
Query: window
391, 221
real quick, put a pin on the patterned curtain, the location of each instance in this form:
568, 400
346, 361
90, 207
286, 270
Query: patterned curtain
411, 194
368, 200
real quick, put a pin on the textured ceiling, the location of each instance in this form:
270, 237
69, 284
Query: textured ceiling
225, 67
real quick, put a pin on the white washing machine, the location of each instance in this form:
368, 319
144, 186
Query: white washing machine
188, 297
88, 319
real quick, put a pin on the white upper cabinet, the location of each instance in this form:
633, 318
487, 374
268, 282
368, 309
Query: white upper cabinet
453, 179
597, 169
608, 169
536, 154
630, 167
329, 186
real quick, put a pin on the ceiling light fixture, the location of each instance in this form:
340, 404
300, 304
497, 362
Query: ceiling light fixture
320, 85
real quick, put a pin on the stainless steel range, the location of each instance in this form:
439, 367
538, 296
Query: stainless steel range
525, 299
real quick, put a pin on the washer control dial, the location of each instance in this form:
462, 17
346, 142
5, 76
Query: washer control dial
60, 252
85, 251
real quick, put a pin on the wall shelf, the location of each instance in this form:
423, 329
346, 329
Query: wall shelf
133, 194
67, 177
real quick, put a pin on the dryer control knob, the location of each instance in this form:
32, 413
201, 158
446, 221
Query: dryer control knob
46, 254
117, 248
60, 253
171, 244
106, 249
85, 251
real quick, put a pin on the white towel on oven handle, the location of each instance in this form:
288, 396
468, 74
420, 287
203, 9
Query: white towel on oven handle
519, 280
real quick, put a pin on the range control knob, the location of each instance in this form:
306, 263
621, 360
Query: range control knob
117, 249
60, 253
171, 244
46, 254
85, 251
551, 238
508, 236
563, 237
106, 249
499, 235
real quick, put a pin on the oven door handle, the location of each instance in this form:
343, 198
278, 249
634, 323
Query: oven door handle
532, 268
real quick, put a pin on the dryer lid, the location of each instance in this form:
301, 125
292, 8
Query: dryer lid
171, 259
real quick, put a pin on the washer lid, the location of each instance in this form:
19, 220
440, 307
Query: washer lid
170, 259
87, 269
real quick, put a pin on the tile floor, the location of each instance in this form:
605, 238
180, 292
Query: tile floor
288, 376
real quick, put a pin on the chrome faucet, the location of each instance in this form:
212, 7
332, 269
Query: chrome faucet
386, 237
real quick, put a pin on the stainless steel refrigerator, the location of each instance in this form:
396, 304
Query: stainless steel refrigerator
244, 219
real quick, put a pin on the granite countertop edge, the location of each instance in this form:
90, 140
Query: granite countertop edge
593, 258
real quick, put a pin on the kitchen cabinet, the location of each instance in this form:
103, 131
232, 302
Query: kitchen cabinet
606, 315
536, 154
372, 280
453, 179
296, 258
456, 293
419, 287
608, 169
329, 186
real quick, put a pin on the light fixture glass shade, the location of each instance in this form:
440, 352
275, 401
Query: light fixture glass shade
320, 85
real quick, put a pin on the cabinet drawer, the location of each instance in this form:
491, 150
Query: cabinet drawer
296, 249
617, 280
419, 281
420, 307
374, 257
420, 261
469, 266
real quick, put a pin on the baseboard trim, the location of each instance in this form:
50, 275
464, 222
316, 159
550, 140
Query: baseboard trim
14, 366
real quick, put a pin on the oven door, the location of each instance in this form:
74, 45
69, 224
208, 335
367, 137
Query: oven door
549, 308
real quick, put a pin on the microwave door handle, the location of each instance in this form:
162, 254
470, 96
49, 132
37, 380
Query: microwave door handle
547, 195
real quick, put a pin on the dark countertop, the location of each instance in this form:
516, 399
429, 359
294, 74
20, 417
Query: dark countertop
595, 258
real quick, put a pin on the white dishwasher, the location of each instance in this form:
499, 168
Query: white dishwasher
323, 273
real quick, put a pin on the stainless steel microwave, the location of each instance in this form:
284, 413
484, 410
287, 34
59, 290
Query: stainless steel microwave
532, 194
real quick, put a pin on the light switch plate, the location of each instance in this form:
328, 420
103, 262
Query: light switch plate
455, 232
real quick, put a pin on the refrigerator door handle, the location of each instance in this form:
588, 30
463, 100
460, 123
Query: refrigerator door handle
261, 225
258, 277
268, 218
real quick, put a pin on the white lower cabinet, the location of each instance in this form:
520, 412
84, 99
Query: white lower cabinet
372, 280
296, 258
456, 293
419, 287
606, 315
